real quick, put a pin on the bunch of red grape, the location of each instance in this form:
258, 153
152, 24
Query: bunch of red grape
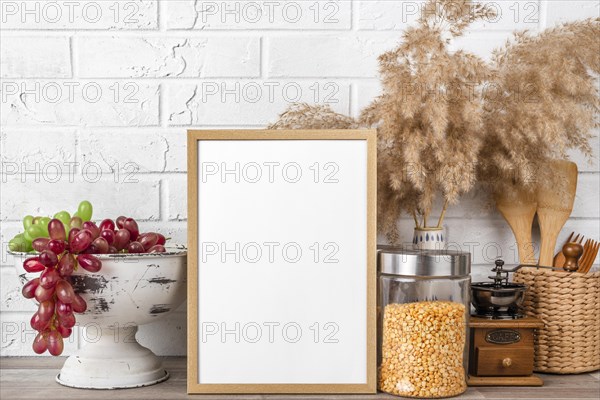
126, 238
60, 255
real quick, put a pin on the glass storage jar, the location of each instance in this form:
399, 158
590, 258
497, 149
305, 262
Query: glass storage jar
423, 309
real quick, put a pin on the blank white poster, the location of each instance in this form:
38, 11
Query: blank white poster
282, 261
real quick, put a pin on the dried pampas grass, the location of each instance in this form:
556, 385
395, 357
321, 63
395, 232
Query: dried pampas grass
429, 116
541, 102
305, 116
447, 120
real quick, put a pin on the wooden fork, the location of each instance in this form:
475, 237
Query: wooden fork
590, 251
559, 258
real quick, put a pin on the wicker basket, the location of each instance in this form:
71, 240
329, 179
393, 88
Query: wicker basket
569, 306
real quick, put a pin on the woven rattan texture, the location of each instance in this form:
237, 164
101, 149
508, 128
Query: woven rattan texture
569, 306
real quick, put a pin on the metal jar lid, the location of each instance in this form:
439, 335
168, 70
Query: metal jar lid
436, 263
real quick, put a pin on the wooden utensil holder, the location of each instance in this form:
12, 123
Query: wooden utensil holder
569, 306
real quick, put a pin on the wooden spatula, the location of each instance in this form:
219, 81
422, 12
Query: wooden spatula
518, 207
555, 205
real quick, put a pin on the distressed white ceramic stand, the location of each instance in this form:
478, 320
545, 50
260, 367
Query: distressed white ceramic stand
112, 364
130, 290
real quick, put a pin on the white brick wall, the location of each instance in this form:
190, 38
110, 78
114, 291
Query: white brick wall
162, 57
79, 15
79, 103
331, 55
96, 97
260, 15
35, 57
250, 102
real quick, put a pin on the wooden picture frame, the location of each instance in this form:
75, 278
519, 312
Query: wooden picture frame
226, 279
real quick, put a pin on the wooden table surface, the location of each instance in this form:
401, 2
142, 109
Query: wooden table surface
33, 378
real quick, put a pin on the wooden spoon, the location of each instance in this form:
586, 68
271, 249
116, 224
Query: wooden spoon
555, 205
518, 206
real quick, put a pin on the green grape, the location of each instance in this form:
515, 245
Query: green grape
27, 221
35, 220
17, 243
28, 243
44, 221
35, 231
84, 211
27, 235
64, 217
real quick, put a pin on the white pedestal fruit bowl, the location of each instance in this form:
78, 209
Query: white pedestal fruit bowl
130, 290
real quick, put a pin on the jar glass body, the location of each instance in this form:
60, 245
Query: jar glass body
423, 335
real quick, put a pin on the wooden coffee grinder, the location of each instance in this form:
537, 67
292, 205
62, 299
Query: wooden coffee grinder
501, 338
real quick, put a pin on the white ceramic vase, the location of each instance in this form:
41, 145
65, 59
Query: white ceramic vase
428, 239
130, 290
